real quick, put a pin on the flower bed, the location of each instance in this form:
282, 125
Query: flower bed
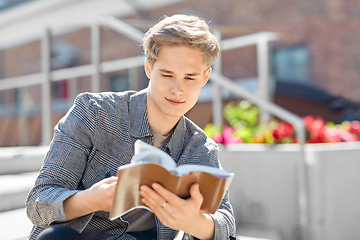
244, 127
265, 192
265, 188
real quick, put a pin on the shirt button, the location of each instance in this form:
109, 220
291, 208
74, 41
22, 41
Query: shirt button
107, 175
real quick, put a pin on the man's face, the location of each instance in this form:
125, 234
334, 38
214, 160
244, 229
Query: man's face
176, 79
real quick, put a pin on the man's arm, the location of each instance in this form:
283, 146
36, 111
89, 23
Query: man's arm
99, 197
62, 172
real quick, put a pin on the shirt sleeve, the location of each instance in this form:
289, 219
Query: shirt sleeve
224, 219
64, 164
224, 222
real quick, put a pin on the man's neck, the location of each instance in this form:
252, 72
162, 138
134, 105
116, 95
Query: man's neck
158, 121
160, 124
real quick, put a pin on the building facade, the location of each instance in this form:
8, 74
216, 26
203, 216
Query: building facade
317, 50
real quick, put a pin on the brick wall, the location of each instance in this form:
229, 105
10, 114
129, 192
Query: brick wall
330, 28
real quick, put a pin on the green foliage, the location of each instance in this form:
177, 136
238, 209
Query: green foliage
245, 128
242, 115
212, 130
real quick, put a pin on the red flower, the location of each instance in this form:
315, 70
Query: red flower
333, 134
309, 120
355, 129
316, 127
218, 138
228, 136
283, 131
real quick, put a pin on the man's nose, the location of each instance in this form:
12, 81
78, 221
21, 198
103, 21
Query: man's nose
177, 87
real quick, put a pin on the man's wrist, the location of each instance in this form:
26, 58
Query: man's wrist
78, 205
205, 229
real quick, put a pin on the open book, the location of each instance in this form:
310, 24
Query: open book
150, 164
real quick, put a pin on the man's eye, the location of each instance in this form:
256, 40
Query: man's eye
166, 76
189, 78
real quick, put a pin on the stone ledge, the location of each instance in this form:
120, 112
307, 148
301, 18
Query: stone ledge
21, 159
14, 189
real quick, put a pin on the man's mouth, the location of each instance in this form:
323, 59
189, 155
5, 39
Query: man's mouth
174, 101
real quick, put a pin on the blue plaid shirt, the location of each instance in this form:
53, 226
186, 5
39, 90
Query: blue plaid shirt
90, 142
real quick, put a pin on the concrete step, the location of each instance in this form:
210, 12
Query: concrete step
19, 168
15, 160
14, 225
14, 189
256, 233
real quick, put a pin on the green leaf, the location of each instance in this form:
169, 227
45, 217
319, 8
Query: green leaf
211, 130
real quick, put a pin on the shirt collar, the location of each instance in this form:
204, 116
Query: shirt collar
176, 142
139, 125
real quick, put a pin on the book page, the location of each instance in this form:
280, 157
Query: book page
186, 168
146, 153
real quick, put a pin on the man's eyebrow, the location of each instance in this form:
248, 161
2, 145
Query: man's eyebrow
187, 74
165, 70
192, 74
171, 72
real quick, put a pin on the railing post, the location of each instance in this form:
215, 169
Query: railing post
95, 56
305, 220
263, 65
134, 78
46, 100
217, 89
73, 90
23, 118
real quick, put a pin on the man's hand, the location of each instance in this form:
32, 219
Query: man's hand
102, 194
99, 197
177, 213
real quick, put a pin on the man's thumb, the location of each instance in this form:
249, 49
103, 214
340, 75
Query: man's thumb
195, 192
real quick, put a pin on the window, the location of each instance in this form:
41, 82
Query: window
2, 98
6, 4
291, 64
61, 90
119, 83
63, 55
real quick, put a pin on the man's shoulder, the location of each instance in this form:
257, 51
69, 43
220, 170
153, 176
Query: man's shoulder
106, 97
198, 148
198, 138
107, 101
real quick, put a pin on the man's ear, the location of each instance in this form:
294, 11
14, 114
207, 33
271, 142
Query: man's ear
148, 69
207, 75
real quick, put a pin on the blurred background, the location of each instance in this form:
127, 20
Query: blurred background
300, 56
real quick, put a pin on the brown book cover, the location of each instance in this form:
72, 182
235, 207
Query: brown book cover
150, 165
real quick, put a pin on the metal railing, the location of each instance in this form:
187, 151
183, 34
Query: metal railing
261, 40
95, 69
299, 125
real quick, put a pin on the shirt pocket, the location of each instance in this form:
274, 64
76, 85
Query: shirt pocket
100, 166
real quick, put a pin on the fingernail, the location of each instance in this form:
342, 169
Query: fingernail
142, 191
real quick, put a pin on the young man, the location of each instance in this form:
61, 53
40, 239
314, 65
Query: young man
76, 184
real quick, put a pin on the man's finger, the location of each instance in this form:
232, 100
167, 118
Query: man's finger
164, 193
152, 199
110, 179
195, 193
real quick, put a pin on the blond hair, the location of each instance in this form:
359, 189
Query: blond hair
181, 30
